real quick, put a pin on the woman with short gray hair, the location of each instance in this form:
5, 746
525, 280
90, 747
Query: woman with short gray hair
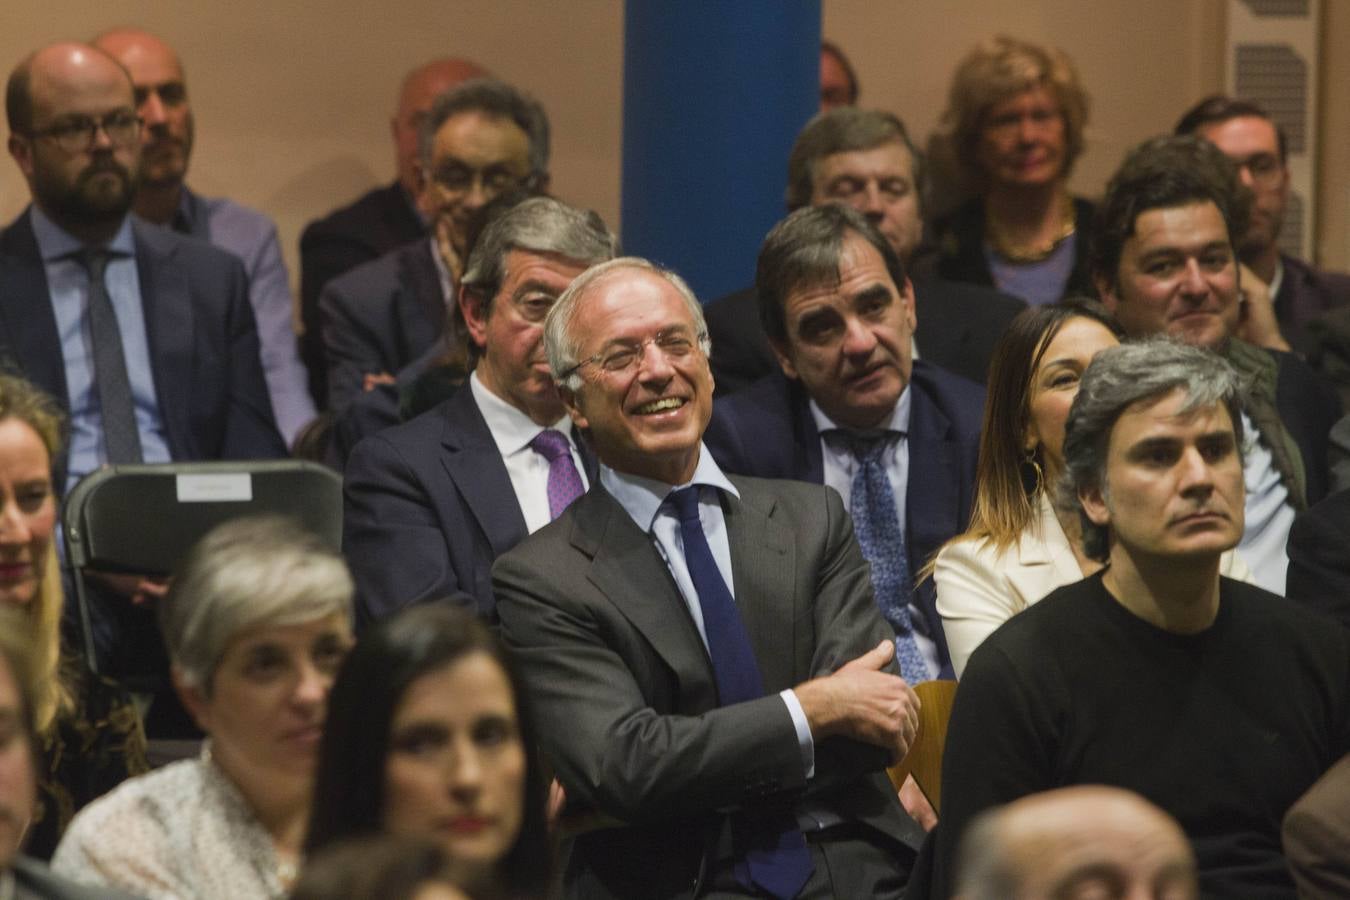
256, 624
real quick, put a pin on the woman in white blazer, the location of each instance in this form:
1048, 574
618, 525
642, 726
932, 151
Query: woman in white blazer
1020, 545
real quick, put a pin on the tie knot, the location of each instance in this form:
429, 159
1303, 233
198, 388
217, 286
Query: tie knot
685, 501
94, 260
551, 444
867, 446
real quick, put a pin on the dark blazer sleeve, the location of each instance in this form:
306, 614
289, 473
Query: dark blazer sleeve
392, 536
1309, 407
351, 346
1319, 557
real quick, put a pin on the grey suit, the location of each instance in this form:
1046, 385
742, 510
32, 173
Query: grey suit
624, 694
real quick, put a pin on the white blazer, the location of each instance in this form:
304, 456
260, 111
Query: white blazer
979, 588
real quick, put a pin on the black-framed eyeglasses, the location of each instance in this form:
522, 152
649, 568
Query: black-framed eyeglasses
456, 178
622, 356
75, 134
1265, 169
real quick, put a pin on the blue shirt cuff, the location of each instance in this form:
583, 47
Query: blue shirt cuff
804, 739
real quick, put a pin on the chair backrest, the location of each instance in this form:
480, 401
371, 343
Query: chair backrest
924, 759
144, 519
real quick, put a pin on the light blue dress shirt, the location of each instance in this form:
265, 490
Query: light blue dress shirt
643, 499
68, 288
840, 465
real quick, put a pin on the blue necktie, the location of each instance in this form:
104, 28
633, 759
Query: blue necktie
776, 858
872, 506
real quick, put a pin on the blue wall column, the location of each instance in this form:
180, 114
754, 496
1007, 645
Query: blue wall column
714, 93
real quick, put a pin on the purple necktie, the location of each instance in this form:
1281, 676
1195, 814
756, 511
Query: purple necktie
564, 481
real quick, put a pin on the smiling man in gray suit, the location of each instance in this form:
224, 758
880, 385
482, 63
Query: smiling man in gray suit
703, 653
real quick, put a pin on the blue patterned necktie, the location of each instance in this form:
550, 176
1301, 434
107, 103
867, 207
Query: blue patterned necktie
564, 481
872, 506
776, 858
121, 438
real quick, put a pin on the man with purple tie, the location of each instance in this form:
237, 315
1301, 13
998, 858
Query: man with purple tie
431, 503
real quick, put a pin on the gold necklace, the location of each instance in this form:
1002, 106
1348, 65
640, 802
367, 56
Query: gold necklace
1022, 254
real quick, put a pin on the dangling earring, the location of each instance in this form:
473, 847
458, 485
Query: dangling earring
1030, 460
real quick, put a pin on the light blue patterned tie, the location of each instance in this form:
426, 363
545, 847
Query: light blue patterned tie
872, 505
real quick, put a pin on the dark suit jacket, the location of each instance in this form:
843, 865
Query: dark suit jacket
958, 327
199, 325
379, 317
1306, 295
1319, 557
379, 221
625, 698
767, 431
428, 506
960, 241
1308, 407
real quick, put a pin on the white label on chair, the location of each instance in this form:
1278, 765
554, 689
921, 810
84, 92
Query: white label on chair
226, 487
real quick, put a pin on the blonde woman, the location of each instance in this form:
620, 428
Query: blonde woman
89, 733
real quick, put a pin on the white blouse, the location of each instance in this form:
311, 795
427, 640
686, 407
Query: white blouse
183, 831
979, 588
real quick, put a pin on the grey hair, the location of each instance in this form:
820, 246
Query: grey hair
495, 98
844, 130
984, 870
1119, 377
539, 225
250, 572
564, 347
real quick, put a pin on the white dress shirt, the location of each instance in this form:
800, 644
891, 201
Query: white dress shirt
840, 465
512, 432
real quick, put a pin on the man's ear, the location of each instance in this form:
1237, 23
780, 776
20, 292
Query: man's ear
1106, 289
782, 354
471, 305
1093, 500
22, 150
193, 697
569, 400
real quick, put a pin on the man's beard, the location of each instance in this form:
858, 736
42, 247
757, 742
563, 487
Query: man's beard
93, 199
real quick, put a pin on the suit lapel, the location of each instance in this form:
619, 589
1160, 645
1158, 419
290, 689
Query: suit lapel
932, 501
478, 473
167, 305
763, 565
30, 336
629, 571
423, 312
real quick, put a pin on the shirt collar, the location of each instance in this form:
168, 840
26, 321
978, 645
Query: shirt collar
642, 497
511, 429
442, 271
898, 421
54, 242
1277, 280
184, 218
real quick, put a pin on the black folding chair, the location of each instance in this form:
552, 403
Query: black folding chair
143, 519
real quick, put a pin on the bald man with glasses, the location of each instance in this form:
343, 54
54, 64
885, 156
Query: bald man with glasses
145, 338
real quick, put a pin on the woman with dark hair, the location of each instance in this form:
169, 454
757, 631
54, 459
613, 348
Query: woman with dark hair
1021, 543
427, 735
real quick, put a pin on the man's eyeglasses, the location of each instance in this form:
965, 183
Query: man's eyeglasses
622, 356
75, 134
460, 179
1264, 168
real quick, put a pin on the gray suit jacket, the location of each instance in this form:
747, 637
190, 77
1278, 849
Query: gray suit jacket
624, 695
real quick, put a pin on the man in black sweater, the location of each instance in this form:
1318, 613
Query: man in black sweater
1216, 700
